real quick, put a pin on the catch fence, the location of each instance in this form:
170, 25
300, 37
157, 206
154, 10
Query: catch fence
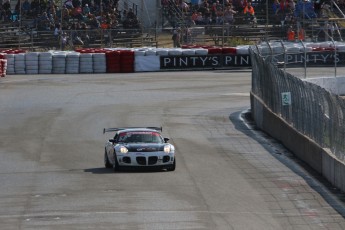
310, 109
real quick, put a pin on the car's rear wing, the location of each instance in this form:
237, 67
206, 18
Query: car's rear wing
123, 128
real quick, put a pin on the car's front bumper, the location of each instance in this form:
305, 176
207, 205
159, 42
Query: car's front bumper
145, 159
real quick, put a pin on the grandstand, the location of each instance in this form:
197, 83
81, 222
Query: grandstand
67, 24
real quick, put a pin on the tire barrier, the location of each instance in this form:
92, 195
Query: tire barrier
3, 65
99, 63
128, 60
113, 61
59, 62
31, 62
45, 63
86, 63
72, 62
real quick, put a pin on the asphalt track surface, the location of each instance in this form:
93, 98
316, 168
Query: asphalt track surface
229, 175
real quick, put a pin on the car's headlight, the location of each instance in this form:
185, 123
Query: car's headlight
167, 148
123, 149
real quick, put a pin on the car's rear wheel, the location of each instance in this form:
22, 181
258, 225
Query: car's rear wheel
116, 166
106, 160
173, 166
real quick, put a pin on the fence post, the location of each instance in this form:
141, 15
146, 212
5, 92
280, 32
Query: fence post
281, 42
305, 59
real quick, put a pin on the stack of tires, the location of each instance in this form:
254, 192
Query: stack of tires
10, 63
45, 63
59, 62
72, 63
214, 50
113, 61
3, 65
31, 62
86, 63
229, 50
19, 63
127, 61
99, 63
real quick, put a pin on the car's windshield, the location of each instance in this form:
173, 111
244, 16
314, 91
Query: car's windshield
140, 137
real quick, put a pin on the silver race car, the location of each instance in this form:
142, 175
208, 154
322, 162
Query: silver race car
139, 147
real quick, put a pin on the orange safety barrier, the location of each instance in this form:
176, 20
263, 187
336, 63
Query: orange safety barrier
3, 67
113, 61
127, 61
229, 50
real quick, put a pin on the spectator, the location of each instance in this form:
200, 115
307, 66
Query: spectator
64, 40
301, 34
229, 14
130, 14
213, 11
6, 7
2, 13
57, 31
291, 5
94, 23
283, 11
76, 3
194, 17
249, 13
276, 9
65, 13
84, 34
325, 10
68, 4
305, 9
35, 7
200, 19
290, 34
207, 16
26, 8
43, 5
86, 9
195, 2
184, 7
77, 13
176, 37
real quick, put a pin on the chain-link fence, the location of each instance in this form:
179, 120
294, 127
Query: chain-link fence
309, 108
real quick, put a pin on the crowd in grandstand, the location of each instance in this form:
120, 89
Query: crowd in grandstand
285, 13
47, 15
90, 14
74, 16
204, 12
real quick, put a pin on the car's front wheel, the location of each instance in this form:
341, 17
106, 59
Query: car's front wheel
173, 166
106, 160
116, 166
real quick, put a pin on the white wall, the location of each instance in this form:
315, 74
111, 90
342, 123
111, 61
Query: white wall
335, 85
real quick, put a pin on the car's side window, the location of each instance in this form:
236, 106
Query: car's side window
116, 137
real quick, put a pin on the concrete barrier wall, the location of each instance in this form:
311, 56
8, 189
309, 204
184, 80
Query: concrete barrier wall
335, 85
321, 160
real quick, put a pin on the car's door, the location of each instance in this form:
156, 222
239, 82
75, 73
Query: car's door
110, 147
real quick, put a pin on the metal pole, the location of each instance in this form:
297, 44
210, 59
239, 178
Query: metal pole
101, 17
305, 60
335, 57
61, 31
266, 27
20, 22
284, 56
223, 25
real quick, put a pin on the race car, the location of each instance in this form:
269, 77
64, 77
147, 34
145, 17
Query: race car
139, 147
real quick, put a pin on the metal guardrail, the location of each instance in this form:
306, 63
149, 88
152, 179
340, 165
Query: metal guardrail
35, 40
